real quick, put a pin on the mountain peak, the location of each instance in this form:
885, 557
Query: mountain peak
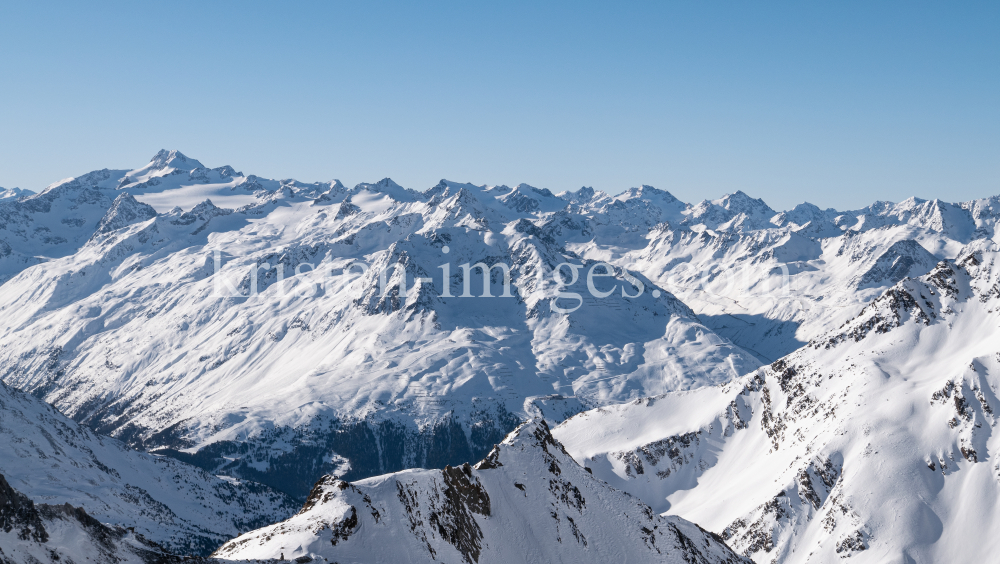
125, 210
172, 159
913, 201
806, 207
162, 164
740, 202
646, 191
389, 188
529, 189
741, 196
14, 193
385, 185
584, 195
537, 505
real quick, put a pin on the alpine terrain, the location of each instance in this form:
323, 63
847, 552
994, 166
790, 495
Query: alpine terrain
528, 501
189, 355
873, 441
33, 534
52, 459
130, 305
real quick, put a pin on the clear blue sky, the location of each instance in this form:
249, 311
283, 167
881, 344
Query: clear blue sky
837, 103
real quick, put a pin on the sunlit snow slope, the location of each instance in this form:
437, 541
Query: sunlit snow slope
773, 281
127, 301
138, 320
874, 441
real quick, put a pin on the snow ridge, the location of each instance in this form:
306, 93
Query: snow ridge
528, 500
124, 328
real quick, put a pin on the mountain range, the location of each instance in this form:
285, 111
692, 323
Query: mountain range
267, 343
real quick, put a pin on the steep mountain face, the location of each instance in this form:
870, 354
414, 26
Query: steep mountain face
902, 259
874, 441
49, 534
528, 501
733, 212
318, 329
52, 224
54, 460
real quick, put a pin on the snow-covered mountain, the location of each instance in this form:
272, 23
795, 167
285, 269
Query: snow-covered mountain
48, 534
14, 193
244, 324
56, 461
528, 501
874, 441
771, 284
142, 319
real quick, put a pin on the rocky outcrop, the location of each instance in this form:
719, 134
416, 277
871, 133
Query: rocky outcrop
53, 534
527, 501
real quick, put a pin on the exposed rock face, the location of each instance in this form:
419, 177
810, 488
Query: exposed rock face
125, 211
18, 515
902, 259
49, 534
527, 501
237, 329
49, 457
876, 438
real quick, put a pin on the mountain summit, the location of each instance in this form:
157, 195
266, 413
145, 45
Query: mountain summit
173, 160
527, 501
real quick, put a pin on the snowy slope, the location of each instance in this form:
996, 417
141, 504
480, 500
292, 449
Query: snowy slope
53, 460
52, 224
116, 311
875, 441
771, 282
49, 534
528, 501
322, 372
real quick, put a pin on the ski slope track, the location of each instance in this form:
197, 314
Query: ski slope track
874, 441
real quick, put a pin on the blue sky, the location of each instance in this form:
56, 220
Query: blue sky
837, 103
